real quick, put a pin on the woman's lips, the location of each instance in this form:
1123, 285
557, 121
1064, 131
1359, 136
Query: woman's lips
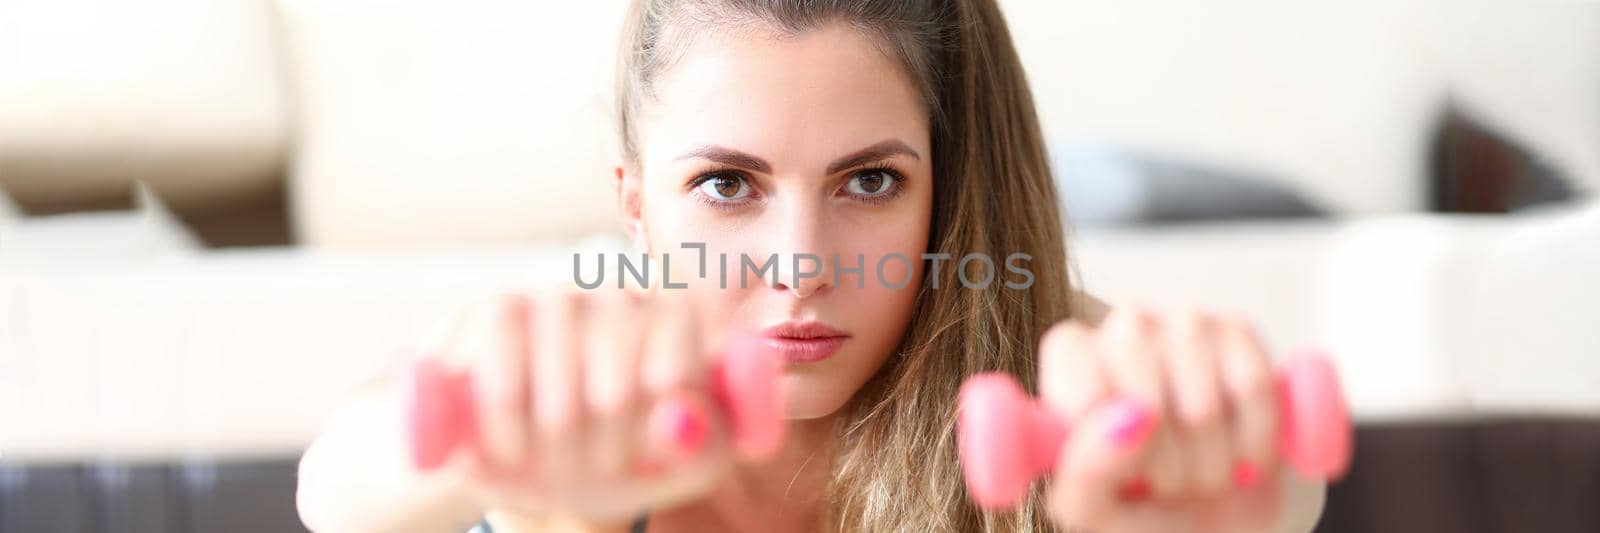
804, 342
810, 350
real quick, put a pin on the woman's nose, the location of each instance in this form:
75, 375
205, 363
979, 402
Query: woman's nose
804, 274
803, 251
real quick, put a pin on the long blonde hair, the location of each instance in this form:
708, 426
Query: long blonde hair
895, 468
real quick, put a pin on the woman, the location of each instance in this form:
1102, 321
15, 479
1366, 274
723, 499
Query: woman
849, 132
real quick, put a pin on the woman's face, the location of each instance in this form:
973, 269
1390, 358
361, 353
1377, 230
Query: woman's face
757, 144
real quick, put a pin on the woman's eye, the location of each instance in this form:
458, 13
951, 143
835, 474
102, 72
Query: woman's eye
871, 183
724, 187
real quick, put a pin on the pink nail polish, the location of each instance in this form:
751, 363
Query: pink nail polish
678, 427
1246, 474
688, 431
1131, 423
1137, 490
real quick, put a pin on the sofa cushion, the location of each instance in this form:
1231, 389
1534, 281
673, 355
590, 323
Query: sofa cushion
426, 121
185, 95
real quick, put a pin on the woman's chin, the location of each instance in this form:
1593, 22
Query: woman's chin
806, 399
821, 389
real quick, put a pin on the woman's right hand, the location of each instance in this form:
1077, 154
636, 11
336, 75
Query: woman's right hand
580, 401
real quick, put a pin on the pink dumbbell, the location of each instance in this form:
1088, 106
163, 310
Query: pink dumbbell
441, 414
1007, 439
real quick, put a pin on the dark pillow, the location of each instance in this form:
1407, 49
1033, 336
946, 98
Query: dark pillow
1475, 169
1108, 186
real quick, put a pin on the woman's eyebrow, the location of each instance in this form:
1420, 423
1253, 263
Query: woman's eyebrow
879, 151
736, 158
730, 157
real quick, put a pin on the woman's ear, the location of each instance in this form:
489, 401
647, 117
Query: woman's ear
628, 195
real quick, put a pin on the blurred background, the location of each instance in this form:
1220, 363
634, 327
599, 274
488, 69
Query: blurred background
217, 216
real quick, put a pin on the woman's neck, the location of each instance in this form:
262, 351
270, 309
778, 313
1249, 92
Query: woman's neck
779, 495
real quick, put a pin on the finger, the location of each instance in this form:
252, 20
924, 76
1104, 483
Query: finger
672, 371
557, 380
1070, 377
677, 428
1251, 390
1198, 411
1104, 452
1260, 507
613, 338
673, 358
500, 369
1131, 352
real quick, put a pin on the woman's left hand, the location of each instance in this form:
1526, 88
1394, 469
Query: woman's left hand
1174, 423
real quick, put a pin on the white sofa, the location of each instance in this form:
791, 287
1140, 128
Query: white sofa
439, 152
165, 350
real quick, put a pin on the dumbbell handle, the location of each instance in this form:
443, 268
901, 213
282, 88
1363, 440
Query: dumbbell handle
1007, 440
442, 417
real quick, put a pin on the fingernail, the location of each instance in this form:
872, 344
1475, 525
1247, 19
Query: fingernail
1131, 423
688, 430
1136, 490
679, 426
1246, 474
